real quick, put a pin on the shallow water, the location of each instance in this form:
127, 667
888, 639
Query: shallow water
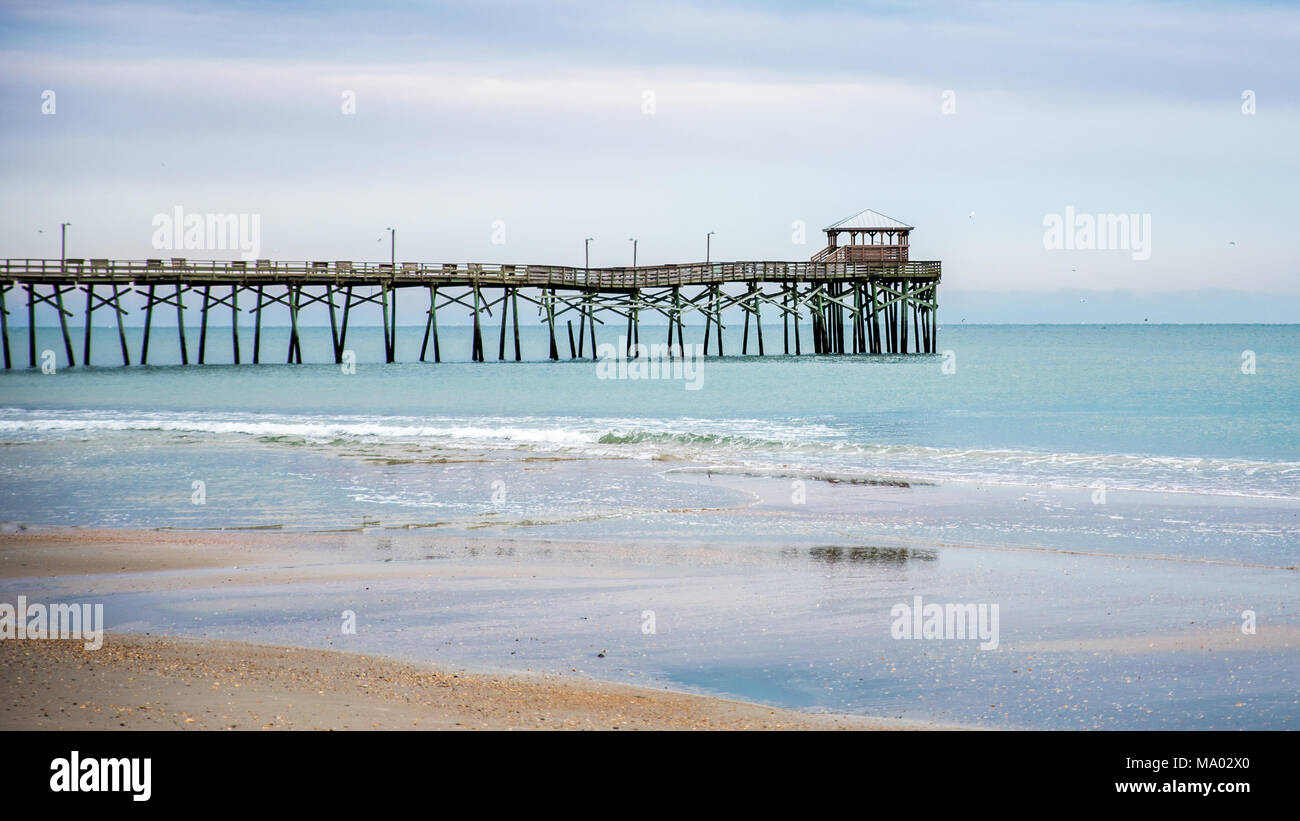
1096, 468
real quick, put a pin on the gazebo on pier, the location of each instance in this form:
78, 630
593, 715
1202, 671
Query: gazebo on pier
872, 237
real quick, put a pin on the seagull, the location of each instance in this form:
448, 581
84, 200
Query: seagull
1230, 242
971, 216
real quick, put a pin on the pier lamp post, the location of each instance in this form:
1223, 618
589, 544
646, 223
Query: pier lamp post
392, 248
708, 246
63, 245
586, 250
633, 241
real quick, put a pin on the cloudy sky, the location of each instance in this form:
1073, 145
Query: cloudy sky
664, 121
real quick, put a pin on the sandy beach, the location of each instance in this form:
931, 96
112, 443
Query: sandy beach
141, 682
152, 683
380, 628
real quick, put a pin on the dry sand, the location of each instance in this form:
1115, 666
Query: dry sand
152, 683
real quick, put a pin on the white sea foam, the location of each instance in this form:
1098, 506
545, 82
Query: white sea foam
770, 446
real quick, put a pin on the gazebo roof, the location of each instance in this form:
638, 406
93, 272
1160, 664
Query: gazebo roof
868, 220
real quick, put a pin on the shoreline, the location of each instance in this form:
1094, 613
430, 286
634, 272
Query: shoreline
145, 681
532, 629
171, 683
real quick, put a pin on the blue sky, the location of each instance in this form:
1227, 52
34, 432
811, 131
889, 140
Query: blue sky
470, 113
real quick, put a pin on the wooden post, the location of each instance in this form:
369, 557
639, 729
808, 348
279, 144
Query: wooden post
591, 317
31, 323
893, 318
681, 325
833, 323
676, 320
505, 316
816, 325
90, 307
295, 350
573, 348
514, 301
857, 316
392, 349
628, 341
582, 325
841, 313
428, 320
4, 325
934, 321
785, 318
63, 323
550, 321
234, 321
916, 329
863, 307
334, 326
794, 298
708, 326
903, 288
121, 331
744, 339
343, 329
477, 353
203, 324
875, 317
717, 296
257, 326
437, 352
148, 321
180, 323
383, 306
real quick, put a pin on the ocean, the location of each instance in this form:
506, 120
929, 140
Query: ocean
1099, 482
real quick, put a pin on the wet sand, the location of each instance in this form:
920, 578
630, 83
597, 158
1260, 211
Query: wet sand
152, 682
242, 629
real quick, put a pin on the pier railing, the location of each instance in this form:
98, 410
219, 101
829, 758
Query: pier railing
346, 272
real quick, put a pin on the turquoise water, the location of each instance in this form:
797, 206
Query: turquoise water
1097, 481
1125, 408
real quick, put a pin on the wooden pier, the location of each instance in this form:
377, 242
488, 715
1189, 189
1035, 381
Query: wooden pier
855, 306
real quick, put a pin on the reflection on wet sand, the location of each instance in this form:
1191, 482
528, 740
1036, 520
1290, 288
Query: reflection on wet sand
891, 556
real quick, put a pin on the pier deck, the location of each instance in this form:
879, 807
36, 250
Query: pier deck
876, 300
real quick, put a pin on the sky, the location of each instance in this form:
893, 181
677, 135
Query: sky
497, 131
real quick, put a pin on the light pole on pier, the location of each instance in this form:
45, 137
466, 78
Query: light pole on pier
392, 248
708, 246
586, 250
63, 244
633, 241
